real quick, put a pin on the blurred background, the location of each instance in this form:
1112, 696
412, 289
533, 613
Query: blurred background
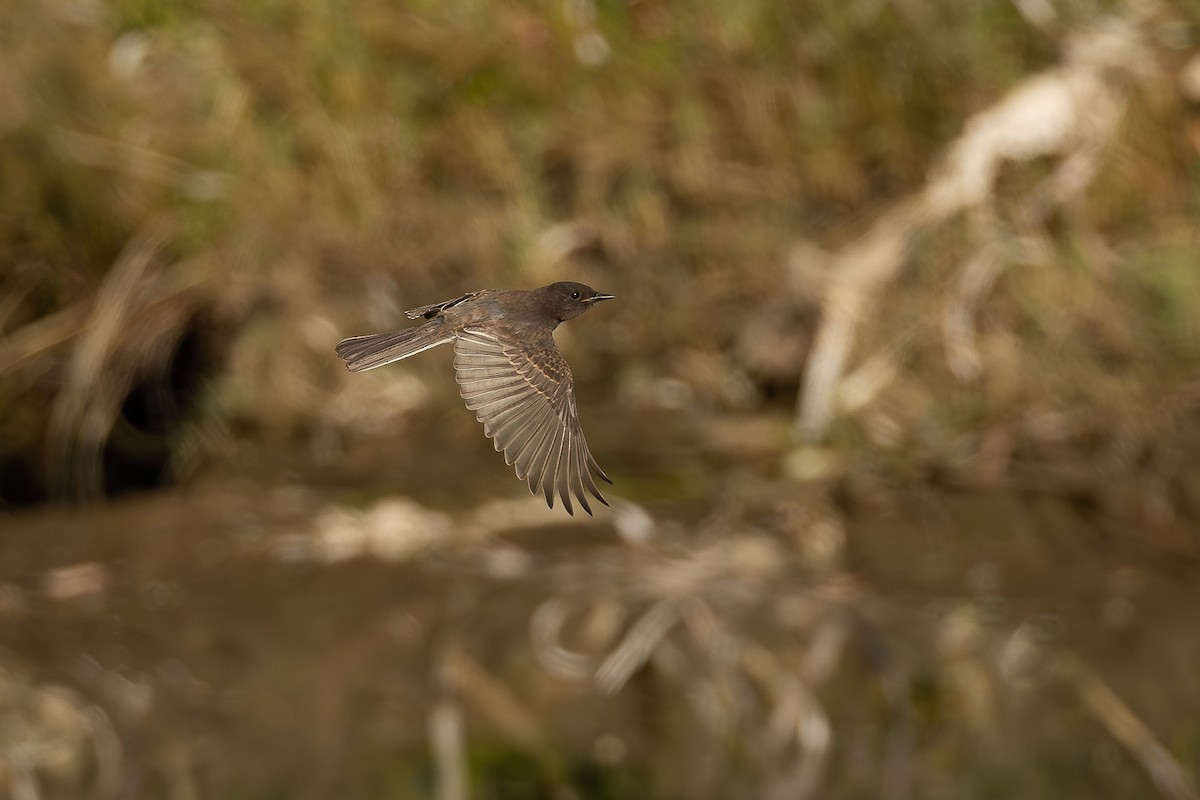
900, 395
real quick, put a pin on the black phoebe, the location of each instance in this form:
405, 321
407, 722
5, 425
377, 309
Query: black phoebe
511, 375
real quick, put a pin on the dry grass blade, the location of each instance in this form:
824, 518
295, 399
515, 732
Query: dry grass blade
22, 281
1123, 725
102, 152
110, 755
496, 702
136, 320
41, 336
797, 715
637, 646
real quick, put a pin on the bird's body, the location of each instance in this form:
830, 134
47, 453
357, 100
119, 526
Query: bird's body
511, 374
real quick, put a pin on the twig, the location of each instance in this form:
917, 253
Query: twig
1132, 734
635, 649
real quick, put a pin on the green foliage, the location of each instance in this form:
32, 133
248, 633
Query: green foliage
1168, 287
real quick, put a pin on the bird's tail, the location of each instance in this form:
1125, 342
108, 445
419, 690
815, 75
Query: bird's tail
368, 352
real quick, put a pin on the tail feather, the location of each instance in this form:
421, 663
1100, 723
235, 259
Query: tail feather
368, 352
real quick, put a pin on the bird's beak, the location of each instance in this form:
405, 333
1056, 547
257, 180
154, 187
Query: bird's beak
598, 296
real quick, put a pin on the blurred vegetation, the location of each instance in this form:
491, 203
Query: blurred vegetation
197, 200
299, 171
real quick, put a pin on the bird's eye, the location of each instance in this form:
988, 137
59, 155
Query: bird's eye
574, 295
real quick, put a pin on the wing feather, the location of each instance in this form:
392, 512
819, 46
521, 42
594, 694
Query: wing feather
534, 453
550, 466
524, 395
564, 471
519, 431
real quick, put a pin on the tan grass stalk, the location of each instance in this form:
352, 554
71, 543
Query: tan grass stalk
1131, 733
136, 320
637, 646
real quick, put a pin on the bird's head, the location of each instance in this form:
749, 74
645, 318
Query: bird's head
567, 299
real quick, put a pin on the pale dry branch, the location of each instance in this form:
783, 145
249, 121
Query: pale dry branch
1066, 111
859, 272
1070, 112
975, 280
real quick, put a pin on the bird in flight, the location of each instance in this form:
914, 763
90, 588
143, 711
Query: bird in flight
511, 374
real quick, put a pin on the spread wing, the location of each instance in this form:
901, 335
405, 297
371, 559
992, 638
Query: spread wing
525, 398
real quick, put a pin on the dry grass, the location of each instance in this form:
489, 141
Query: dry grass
318, 172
